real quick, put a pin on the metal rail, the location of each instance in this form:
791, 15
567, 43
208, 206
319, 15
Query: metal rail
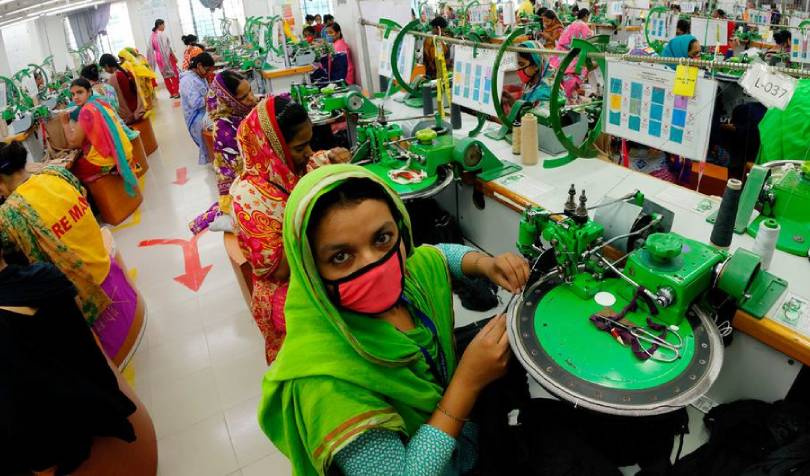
799, 73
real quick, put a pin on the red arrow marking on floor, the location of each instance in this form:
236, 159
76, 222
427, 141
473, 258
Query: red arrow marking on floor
195, 272
182, 176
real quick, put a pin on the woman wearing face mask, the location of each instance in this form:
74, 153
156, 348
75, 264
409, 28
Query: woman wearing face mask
533, 72
368, 381
101, 89
161, 56
193, 91
552, 29
275, 143
682, 46
335, 36
96, 128
230, 99
130, 106
46, 217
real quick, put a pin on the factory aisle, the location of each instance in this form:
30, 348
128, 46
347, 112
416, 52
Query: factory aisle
200, 364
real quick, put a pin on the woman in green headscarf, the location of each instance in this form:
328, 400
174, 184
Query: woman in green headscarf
367, 380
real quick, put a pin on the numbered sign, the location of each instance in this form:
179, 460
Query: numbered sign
771, 89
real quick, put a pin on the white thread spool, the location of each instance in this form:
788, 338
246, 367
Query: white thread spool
528, 140
516, 138
765, 243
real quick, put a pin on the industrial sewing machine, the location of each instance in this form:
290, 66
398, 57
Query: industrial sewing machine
781, 192
326, 104
640, 338
422, 164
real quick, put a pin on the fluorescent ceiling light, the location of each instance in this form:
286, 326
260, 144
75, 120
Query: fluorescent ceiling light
71, 7
15, 21
38, 5
3, 2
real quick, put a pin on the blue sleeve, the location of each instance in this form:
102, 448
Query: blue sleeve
381, 452
454, 254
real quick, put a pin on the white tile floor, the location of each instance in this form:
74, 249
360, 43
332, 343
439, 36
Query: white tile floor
200, 364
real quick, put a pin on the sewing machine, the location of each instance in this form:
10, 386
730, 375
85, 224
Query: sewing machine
325, 104
637, 338
780, 191
422, 164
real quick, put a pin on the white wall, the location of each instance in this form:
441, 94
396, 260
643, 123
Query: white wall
254, 8
142, 15
23, 45
53, 34
5, 69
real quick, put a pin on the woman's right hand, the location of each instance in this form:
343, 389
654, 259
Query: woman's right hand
486, 357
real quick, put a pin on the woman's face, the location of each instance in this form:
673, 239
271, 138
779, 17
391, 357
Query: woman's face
351, 236
162, 27
203, 71
79, 95
694, 49
332, 34
529, 68
109, 69
546, 22
300, 151
244, 94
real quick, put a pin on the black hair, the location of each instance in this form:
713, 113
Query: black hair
689, 47
721, 13
189, 39
675, 7
309, 17
782, 36
90, 72
204, 59
549, 14
13, 157
316, 16
158, 22
684, 25
232, 80
290, 116
108, 60
575, 9
541, 11
335, 26
328, 17
310, 29
82, 83
352, 192
583, 14
438, 22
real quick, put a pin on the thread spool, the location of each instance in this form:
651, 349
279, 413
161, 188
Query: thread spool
516, 138
427, 100
765, 244
455, 116
528, 140
727, 214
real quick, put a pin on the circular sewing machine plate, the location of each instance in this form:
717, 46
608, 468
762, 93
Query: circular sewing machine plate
552, 334
412, 183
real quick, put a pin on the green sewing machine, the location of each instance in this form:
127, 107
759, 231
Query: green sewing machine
780, 191
637, 338
325, 103
421, 165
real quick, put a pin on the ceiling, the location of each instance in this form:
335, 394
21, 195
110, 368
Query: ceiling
10, 10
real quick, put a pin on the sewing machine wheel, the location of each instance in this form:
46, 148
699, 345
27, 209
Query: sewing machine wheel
354, 102
473, 155
552, 336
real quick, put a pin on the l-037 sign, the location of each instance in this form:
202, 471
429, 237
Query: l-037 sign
771, 89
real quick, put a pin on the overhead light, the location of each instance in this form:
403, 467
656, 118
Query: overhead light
72, 6
3, 2
38, 5
15, 21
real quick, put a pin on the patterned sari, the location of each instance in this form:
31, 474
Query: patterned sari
227, 113
259, 199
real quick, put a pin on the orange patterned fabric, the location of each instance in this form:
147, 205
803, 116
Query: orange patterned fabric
259, 198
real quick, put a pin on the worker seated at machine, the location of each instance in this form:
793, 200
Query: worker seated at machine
535, 76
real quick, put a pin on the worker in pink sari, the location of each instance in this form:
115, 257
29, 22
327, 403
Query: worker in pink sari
161, 56
335, 36
578, 29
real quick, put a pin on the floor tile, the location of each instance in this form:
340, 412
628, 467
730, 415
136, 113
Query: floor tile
273, 465
233, 336
177, 357
178, 404
249, 442
203, 449
240, 379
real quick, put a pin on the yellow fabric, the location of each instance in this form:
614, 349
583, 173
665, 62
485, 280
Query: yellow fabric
95, 158
65, 212
526, 8
143, 75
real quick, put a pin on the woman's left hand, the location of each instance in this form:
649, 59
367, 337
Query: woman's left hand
507, 270
339, 155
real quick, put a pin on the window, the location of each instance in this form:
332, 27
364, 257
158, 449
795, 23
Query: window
196, 19
317, 7
119, 30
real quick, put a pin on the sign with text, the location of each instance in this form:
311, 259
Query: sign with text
771, 89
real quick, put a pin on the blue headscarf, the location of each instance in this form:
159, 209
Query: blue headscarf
678, 47
541, 91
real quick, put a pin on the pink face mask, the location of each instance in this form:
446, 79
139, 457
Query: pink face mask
524, 78
374, 288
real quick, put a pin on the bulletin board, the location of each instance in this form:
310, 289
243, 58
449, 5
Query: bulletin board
641, 108
615, 9
800, 47
479, 14
472, 77
662, 27
759, 16
404, 59
710, 32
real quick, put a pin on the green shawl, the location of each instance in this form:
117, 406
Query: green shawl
340, 374
784, 134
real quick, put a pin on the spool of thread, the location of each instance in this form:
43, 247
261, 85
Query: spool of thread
727, 214
427, 100
528, 140
455, 116
516, 138
765, 243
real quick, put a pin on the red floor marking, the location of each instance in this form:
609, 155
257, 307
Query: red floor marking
182, 176
195, 272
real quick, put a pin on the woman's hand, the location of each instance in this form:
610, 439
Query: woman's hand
486, 357
339, 155
508, 271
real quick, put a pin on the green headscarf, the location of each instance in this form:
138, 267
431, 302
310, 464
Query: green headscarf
783, 134
340, 374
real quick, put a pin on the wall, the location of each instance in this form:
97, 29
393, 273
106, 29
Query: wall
53, 32
254, 8
142, 15
23, 45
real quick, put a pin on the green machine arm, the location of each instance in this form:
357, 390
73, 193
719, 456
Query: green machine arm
579, 53
657, 45
415, 25
506, 122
